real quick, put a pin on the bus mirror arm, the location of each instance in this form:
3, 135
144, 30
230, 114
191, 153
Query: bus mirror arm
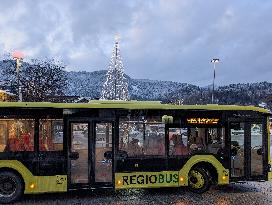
74, 155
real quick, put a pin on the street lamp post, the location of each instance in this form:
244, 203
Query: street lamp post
214, 61
18, 57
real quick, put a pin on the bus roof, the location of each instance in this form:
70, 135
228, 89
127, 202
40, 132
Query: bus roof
128, 105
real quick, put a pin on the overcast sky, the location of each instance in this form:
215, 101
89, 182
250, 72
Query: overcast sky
160, 39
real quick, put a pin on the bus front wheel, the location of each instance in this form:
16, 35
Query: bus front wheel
11, 187
199, 180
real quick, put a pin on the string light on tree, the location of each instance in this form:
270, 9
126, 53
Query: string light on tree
116, 86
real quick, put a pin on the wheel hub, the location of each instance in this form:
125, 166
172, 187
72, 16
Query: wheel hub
7, 187
193, 180
196, 180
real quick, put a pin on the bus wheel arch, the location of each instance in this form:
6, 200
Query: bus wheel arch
17, 181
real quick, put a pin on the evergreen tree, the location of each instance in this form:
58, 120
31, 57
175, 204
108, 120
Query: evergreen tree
115, 87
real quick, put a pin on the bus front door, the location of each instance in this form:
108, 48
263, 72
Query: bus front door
247, 151
90, 154
237, 150
257, 151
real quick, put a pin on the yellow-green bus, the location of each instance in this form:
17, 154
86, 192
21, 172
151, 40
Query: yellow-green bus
57, 147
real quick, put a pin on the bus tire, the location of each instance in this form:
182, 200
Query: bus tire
11, 187
199, 180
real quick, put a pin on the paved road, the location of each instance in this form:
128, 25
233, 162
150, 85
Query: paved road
248, 193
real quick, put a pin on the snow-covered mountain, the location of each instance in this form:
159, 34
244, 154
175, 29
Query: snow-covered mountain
85, 84
89, 84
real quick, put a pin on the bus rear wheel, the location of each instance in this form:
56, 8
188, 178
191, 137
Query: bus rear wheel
199, 180
11, 187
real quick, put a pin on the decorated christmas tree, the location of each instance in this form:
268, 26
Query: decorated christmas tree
116, 86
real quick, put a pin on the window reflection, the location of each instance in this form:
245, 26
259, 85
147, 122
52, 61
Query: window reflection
79, 167
237, 149
256, 149
51, 135
17, 135
184, 141
142, 136
103, 145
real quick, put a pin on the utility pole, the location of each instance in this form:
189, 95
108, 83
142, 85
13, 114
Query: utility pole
18, 57
214, 61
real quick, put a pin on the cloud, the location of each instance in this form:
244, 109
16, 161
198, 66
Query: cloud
165, 40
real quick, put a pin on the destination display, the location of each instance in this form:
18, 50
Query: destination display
202, 121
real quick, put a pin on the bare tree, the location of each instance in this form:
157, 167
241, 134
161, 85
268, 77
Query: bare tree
38, 79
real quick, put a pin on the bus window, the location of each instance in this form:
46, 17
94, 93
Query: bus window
256, 149
178, 141
3, 135
79, 144
51, 135
215, 140
142, 137
209, 140
154, 142
183, 141
131, 137
103, 144
17, 135
237, 149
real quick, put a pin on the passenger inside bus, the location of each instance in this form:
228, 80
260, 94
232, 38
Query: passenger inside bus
210, 140
133, 148
160, 148
179, 147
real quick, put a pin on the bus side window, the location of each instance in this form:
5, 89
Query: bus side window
51, 135
140, 137
131, 137
3, 135
210, 140
178, 141
154, 143
16, 135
